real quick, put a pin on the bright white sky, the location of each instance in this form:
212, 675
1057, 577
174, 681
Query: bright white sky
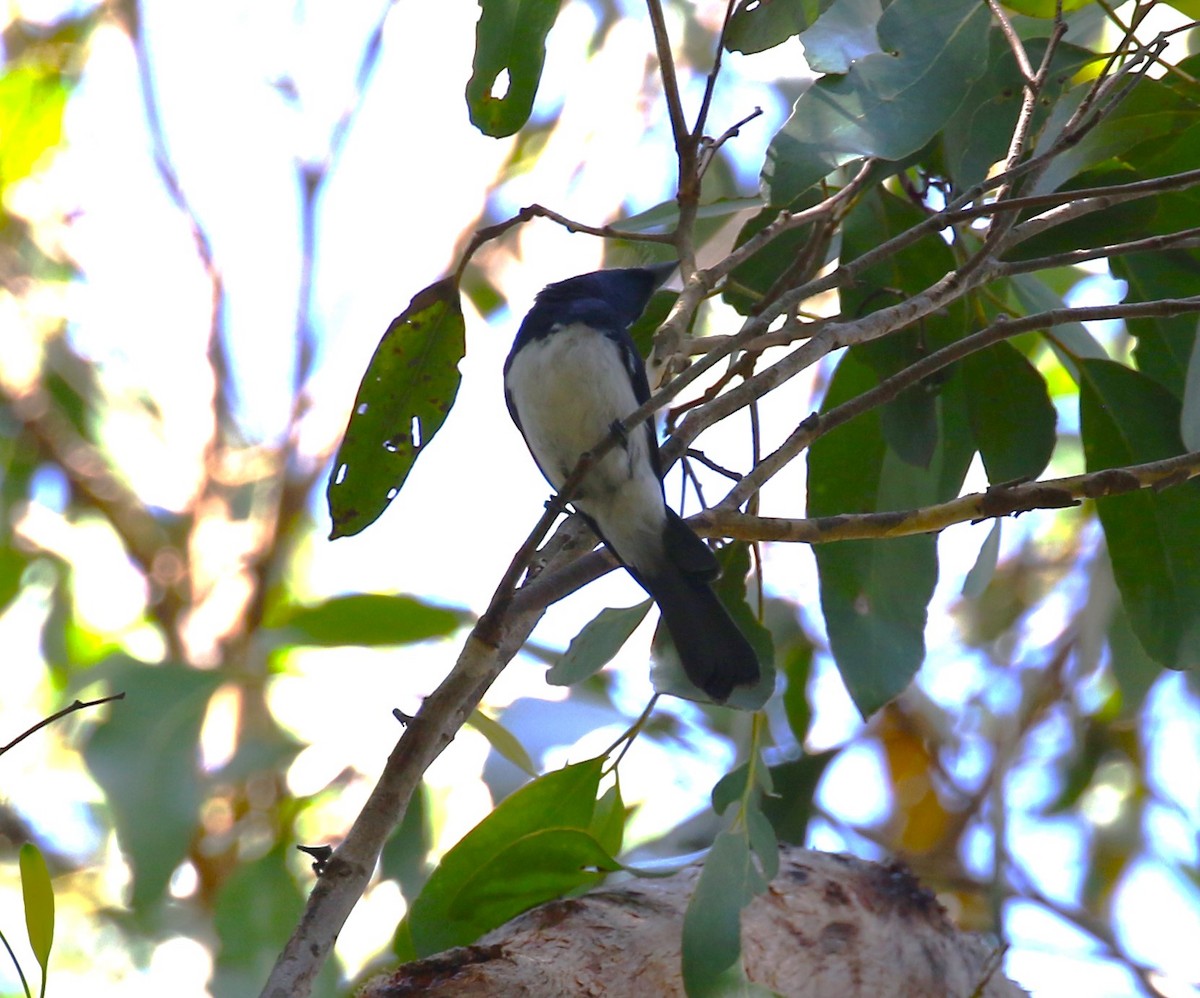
411, 178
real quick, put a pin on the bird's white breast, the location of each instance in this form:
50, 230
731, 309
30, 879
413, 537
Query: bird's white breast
568, 389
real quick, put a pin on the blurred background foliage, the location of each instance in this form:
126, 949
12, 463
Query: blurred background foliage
162, 526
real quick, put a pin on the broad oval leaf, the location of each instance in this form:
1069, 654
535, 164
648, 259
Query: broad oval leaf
594, 647
564, 799
367, 619
757, 25
503, 741
38, 895
1011, 414
712, 925
402, 402
888, 104
146, 758
510, 46
1153, 535
874, 593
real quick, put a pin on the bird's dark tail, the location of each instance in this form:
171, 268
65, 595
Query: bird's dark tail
714, 653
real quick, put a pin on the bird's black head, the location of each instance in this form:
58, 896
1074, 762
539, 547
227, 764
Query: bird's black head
625, 291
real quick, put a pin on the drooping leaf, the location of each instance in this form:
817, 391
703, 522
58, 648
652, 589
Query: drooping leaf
596, 645
503, 741
510, 45
910, 421
874, 593
757, 25
404, 854
145, 756
1153, 536
888, 104
790, 808
984, 569
1189, 416
366, 619
1164, 343
712, 925
608, 821
563, 801
38, 895
1012, 417
404, 398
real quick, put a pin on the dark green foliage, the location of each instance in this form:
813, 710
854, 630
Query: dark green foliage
403, 400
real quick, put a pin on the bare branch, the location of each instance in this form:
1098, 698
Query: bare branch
999, 500
57, 715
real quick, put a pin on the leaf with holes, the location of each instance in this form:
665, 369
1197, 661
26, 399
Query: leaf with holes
510, 45
402, 402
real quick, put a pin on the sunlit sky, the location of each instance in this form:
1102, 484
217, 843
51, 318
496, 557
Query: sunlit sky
411, 178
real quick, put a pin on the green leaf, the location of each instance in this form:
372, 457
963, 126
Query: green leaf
402, 402
145, 757
890, 103
1011, 415
874, 593
564, 800
1134, 670
510, 40
38, 895
646, 325
984, 569
1189, 417
404, 855
796, 658
1164, 343
1070, 341
712, 925
33, 96
846, 32
776, 262
1151, 111
255, 912
1044, 8
540, 866
910, 421
503, 741
789, 809
1153, 536
367, 619
757, 25
978, 133
763, 841
594, 647
608, 822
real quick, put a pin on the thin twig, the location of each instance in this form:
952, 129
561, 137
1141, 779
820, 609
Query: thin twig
57, 715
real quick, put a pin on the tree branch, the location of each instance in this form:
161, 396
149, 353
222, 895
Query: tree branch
999, 500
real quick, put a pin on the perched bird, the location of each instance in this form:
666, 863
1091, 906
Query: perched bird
573, 372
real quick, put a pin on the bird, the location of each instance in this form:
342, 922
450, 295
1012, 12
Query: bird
572, 375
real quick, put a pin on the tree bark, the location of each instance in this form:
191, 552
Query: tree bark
828, 926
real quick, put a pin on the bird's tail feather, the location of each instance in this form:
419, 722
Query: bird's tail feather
714, 653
